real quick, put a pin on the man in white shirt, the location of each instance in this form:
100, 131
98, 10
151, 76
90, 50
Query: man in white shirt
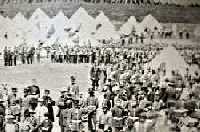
40, 110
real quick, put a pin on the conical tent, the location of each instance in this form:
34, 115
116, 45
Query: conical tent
151, 23
106, 29
81, 21
42, 22
172, 59
20, 21
10, 35
128, 27
59, 22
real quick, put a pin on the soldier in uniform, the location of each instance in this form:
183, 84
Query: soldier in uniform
73, 88
31, 120
49, 103
2, 115
46, 125
61, 106
75, 115
65, 120
12, 99
95, 76
10, 125
117, 113
15, 57
92, 105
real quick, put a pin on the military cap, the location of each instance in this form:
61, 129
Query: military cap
26, 88
75, 100
90, 90
47, 91
72, 78
14, 89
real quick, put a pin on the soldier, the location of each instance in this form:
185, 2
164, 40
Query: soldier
15, 57
130, 124
10, 58
61, 106
23, 56
32, 120
5, 56
75, 115
117, 113
105, 119
2, 115
46, 125
40, 110
92, 105
73, 88
65, 120
10, 125
25, 125
12, 99
25, 102
49, 103
95, 76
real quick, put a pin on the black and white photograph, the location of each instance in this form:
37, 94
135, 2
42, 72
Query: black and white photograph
99, 65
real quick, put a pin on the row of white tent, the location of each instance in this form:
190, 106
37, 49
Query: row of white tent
80, 29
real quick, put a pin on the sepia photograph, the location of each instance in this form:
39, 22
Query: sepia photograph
99, 65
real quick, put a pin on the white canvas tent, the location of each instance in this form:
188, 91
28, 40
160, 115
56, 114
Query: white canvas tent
20, 22
10, 36
82, 22
106, 29
172, 59
151, 23
25, 30
42, 22
60, 21
128, 27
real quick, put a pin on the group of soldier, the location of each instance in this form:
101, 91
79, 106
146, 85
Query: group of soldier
124, 97
12, 56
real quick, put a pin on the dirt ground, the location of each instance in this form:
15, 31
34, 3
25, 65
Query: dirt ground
48, 76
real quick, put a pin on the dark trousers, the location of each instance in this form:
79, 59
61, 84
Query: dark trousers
92, 121
15, 61
95, 83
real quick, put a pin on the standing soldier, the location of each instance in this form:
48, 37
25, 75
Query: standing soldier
23, 56
2, 115
73, 88
38, 55
64, 114
92, 105
10, 125
12, 98
9, 58
49, 103
5, 56
46, 125
95, 76
117, 113
75, 115
61, 106
15, 53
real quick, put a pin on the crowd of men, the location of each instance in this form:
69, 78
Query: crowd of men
131, 98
